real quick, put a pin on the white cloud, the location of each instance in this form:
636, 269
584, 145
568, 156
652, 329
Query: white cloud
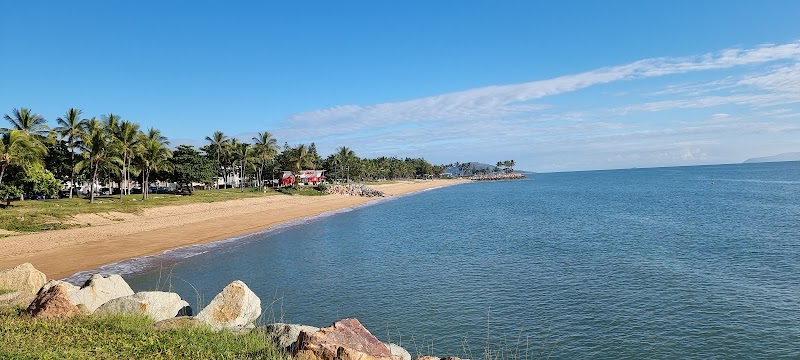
519, 117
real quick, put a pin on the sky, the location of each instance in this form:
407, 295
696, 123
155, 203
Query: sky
555, 86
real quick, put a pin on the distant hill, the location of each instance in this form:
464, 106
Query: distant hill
790, 156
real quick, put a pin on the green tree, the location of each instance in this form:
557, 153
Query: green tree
70, 127
127, 140
300, 159
242, 153
266, 148
9, 192
315, 158
29, 123
18, 148
218, 140
191, 166
57, 161
98, 153
35, 181
344, 158
111, 123
153, 156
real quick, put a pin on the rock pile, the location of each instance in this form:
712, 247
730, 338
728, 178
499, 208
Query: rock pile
490, 177
353, 190
235, 308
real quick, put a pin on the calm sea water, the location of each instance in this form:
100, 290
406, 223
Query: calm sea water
691, 262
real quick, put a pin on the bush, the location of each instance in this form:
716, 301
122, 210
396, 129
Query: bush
9, 192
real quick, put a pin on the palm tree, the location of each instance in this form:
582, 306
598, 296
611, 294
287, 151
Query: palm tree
127, 139
343, 158
31, 124
267, 148
153, 156
300, 159
112, 123
242, 152
217, 140
70, 127
18, 148
98, 152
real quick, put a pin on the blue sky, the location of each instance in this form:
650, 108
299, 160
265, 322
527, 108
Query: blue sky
556, 86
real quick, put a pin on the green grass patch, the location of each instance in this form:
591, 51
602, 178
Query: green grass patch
5, 291
40, 215
303, 190
122, 337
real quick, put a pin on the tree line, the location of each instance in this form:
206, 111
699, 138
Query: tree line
469, 168
37, 159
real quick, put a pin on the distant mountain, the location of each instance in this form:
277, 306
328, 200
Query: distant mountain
790, 156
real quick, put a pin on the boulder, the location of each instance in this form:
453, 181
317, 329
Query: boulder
346, 339
19, 285
285, 335
398, 350
236, 307
55, 300
180, 322
158, 305
98, 290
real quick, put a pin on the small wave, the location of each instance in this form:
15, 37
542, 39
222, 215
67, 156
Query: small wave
171, 256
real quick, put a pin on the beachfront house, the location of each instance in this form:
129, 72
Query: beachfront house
307, 177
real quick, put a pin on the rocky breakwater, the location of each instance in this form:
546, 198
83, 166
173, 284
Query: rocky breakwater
353, 190
235, 309
494, 177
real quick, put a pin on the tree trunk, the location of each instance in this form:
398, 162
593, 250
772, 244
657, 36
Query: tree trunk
91, 186
128, 185
145, 185
72, 177
122, 180
2, 174
241, 181
219, 167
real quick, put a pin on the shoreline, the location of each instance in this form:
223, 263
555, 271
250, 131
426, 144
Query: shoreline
66, 253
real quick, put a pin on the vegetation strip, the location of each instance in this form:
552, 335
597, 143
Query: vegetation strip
122, 337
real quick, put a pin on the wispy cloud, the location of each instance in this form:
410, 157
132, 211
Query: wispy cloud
519, 114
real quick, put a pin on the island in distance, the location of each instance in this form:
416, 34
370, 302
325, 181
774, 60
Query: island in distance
790, 156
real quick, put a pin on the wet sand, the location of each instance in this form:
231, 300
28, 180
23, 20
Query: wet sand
114, 237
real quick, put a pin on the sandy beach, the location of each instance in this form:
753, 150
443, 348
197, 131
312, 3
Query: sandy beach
112, 237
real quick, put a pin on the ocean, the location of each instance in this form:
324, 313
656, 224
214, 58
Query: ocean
685, 262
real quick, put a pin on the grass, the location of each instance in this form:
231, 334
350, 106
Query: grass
5, 291
122, 337
39, 215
